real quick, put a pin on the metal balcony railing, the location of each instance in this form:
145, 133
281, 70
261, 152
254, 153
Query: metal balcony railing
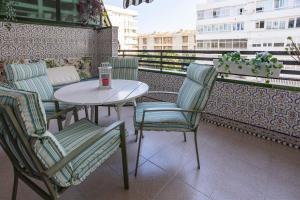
178, 60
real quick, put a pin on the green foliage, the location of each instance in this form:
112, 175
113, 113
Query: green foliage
263, 60
10, 12
293, 49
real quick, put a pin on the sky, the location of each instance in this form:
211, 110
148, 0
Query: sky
163, 15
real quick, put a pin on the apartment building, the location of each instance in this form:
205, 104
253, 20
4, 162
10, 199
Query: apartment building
247, 25
126, 20
180, 40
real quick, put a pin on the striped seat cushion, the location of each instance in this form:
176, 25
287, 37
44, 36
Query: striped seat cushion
30, 77
75, 135
196, 88
124, 68
170, 120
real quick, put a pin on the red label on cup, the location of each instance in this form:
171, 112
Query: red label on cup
105, 82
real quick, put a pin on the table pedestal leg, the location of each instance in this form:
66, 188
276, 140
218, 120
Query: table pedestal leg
118, 109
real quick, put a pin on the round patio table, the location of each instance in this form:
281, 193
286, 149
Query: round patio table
89, 93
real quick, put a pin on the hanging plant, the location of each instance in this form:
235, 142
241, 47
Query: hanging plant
10, 13
90, 11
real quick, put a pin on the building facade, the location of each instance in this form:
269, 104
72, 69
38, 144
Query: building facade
180, 40
247, 25
126, 20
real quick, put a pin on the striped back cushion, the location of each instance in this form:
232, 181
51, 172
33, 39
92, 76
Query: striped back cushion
196, 88
30, 77
124, 68
27, 108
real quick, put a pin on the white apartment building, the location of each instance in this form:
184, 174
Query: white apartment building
126, 20
180, 40
247, 25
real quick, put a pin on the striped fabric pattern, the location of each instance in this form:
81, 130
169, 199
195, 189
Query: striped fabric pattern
128, 3
196, 88
30, 115
27, 110
18, 72
124, 68
160, 120
49, 151
87, 162
31, 77
27, 107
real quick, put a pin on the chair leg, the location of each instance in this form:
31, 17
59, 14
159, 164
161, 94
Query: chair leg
184, 136
136, 132
75, 113
108, 110
59, 123
138, 153
124, 158
96, 114
196, 147
15, 187
86, 112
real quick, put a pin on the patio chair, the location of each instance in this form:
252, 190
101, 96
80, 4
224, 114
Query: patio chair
182, 116
123, 68
59, 161
33, 77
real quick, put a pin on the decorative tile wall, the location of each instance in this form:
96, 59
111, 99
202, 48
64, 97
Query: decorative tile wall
28, 41
269, 113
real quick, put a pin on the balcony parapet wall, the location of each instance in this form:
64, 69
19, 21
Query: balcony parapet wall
269, 113
34, 42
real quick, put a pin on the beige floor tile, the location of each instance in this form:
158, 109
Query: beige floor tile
183, 192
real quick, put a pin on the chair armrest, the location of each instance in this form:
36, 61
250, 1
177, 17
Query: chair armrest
73, 154
166, 110
162, 92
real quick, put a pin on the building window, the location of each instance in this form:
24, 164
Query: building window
275, 25
228, 44
291, 23
200, 44
185, 48
157, 48
241, 11
269, 25
256, 45
298, 22
259, 9
144, 40
200, 14
168, 40
216, 13
260, 24
144, 48
280, 3
281, 44
214, 44
185, 39
157, 40
222, 44
282, 25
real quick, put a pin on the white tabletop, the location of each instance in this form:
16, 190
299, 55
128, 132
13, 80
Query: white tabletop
89, 93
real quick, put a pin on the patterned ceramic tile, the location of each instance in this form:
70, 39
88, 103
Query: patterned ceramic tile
33, 42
